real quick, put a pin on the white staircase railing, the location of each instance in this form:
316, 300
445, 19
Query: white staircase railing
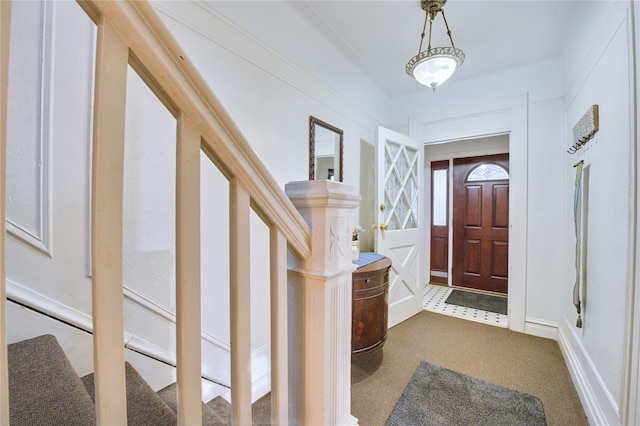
310, 373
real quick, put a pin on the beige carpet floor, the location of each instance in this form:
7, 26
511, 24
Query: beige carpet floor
497, 355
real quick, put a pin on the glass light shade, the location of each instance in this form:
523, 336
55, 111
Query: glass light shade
434, 67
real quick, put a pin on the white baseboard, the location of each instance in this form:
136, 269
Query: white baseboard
597, 401
49, 306
351, 421
541, 328
260, 372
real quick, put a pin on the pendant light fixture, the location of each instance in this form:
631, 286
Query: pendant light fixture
435, 65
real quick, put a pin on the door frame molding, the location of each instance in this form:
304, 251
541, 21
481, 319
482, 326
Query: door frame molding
488, 119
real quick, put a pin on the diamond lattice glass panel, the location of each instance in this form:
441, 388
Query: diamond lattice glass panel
389, 214
401, 186
392, 188
411, 188
402, 166
439, 184
414, 208
402, 209
393, 223
413, 179
388, 160
392, 148
487, 172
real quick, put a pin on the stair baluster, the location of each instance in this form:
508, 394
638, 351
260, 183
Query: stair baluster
240, 295
189, 363
279, 327
106, 223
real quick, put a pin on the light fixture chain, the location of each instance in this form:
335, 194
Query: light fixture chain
422, 35
430, 28
448, 30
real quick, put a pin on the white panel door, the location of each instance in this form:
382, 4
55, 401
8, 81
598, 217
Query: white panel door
398, 235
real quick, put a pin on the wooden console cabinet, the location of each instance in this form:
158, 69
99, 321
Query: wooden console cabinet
370, 307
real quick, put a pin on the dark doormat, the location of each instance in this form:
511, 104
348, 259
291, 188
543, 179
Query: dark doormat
438, 396
483, 302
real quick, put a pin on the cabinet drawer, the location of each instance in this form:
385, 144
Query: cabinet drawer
361, 283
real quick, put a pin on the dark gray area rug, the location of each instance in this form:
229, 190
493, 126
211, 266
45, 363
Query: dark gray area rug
437, 396
483, 302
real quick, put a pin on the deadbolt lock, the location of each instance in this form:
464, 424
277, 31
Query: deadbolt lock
382, 207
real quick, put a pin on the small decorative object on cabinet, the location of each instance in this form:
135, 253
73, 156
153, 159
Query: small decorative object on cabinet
355, 250
370, 307
355, 242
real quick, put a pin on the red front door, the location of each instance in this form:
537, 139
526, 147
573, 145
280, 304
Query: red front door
481, 222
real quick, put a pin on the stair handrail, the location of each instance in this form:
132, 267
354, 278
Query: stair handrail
158, 58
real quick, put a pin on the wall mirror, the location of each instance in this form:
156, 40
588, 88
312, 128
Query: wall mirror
325, 151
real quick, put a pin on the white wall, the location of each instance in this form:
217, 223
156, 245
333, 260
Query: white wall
595, 353
368, 209
289, 32
269, 98
53, 272
545, 220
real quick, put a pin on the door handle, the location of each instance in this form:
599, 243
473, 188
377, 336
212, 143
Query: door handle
381, 226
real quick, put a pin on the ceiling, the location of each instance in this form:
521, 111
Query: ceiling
378, 37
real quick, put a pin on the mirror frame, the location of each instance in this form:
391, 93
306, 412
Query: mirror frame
313, 122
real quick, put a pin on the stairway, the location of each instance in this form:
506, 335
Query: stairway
44, 389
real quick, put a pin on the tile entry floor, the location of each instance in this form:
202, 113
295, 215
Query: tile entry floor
433, 300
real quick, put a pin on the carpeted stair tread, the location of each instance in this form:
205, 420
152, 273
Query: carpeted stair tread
221, 407
261, 410
44, 389
144, 406
170, 397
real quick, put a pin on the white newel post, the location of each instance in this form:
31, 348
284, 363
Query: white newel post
320, 307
